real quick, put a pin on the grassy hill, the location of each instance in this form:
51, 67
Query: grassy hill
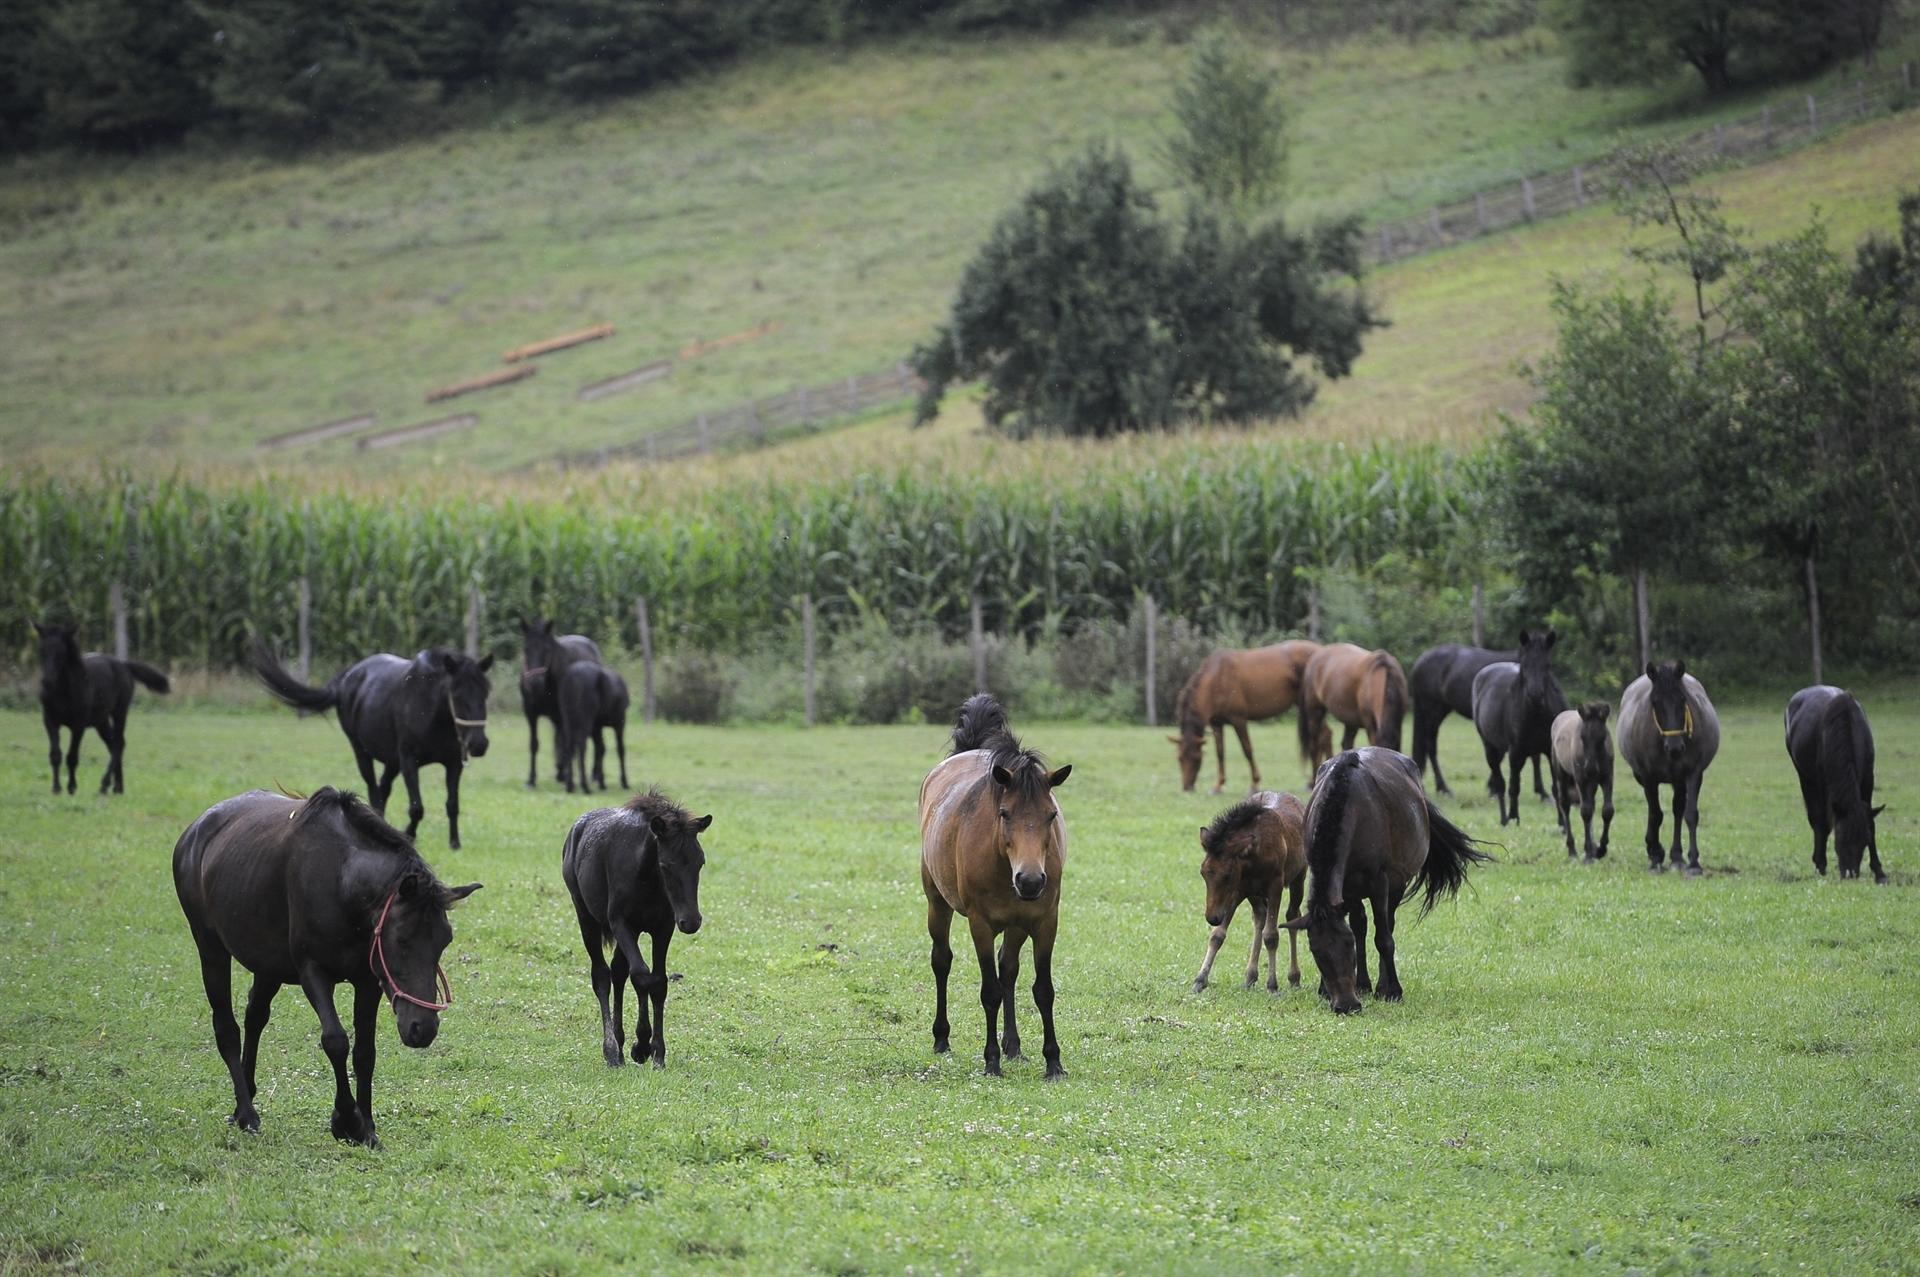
187, 305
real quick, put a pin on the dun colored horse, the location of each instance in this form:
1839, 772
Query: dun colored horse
540, 695
1669, 735
1374, 837
1514, 705
403, 714
1442, 683
632, 869
1236, 687
992, 849
1358, 687
317, 892
1583, 767
78, 692
1253, 851
1832, 749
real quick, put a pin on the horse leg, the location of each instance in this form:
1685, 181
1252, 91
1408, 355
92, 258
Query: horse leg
73, 756
52, 725
1674, 858
1586, 823
600, 757
1010, 942
620, 747
1655, 852
1515, 763
1215, 938
1246, 747
939, 927
1383, 909
661, 940
1357, 918
111, 740
1220, 755
1606, 817
533, 751
216, 973
1693, 825
1433, 755
1259, 908
642, 980
612, 1042
1495, 786
1563, 795
1294, 890
416, 810
1350, 735
989, 989
375, 799
453, 805
259, 1010
1272, 939
1043, 993
1539, 791
1813, 796
617, 976
366, 1042
347, 1123
1873, 856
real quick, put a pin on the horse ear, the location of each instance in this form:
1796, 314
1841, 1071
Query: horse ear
1059, 778
1649, 669
1297, 923
1553, 636
700, 825
658, 826
546, 626
1176, 740
450, 662
1601, 711
1679, 669
1875, 811
454, 895
524, 627
486, 662
1003, 778
1203, 841
1525, 638
37, 627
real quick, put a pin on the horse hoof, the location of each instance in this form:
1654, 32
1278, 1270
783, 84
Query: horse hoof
940, 1046
248, 1120
614, 1058
993, 1068
1199, 986
1293, 980
1055, 1073
1881, 880
1693, 871
660, 1060
1389, 995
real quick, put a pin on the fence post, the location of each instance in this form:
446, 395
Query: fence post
1643, 616
1526, 195
979, 640
806, 634
646, 658
475, 601
1433, 220
1480, 210
303, 628
1906, 76
853, 395
1813, 113
117, 600
1766, 126
1579, 187
1152, 674
1386, 254
706, 442
1313, 611
1719, 141
1479, 614
806, 411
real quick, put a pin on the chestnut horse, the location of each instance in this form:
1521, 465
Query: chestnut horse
1254, 850
992, 848
1236, 687
1358, 687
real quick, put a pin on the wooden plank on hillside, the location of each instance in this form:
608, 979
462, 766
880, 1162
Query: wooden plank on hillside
697, 347
561, 342
314, 434
485, 381
417, 432
625, 381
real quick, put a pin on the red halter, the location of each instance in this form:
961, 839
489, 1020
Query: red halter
376, 952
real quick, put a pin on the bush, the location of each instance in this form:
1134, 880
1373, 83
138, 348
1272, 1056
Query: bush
694, 687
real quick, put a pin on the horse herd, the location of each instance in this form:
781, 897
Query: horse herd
319, 890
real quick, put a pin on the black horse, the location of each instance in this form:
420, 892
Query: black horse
592, 698
631, 869
1442, 684
403, 714
78, 692
1514, 705
1669, 735
539, 694
1832, 748
317, 892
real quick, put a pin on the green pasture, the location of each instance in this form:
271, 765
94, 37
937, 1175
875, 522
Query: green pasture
1595, 1068
183, 305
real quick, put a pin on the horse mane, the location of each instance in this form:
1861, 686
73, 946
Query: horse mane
360, 818
981, 723
656, 806
1183, 712
1839, 763
1325, 819
1230, 822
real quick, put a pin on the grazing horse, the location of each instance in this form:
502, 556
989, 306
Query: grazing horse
78, 692
1236, 687
1668, 736
1832, 749
1372, 836
1253, 851
1514, 705
630, 869
592, 697
1358, 687
539, 694
1441, 681
1582, 767
992, 849
403, 714
316, 892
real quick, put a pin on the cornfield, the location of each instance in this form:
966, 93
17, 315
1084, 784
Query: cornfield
1225, 540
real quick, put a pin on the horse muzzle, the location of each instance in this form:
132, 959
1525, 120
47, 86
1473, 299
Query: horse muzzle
1029, 886
689, 924
419, 1031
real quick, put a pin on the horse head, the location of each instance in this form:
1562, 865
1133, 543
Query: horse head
1330, 940
1188, 748
1028, 818
538, 643
677, 852
1853, 834
411, 932
59, 649
1536, 666
467, 690
1671, 706
1594, 744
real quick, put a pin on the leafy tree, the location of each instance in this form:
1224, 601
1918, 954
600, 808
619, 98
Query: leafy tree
1087, 315
589, 48
1231, 143
1650, 188
1627, 41
115, 72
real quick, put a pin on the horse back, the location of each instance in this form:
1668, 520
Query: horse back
1263, 682
1283, 841
601, 865
1495, 687
230, 870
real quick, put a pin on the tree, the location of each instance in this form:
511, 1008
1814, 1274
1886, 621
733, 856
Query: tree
1650, 188
589, 48
1630, 41
1231, 144
1087, 315
115, 72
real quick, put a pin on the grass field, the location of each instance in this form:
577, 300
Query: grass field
1595, 1067
182, 306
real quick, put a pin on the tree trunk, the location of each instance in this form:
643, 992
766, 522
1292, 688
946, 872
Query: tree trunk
1643, 616
1813, 616
1479, 615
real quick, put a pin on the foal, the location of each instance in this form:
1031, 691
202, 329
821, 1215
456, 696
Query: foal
1253, 850
78, 692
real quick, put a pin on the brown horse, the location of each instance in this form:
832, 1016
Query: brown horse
1358, 687
992, 848
1254, 850
1236, 687
1373, 836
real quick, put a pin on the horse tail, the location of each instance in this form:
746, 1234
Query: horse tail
981, 721
1393, 699
284, 686
1326, 816
1839, 765
1303, 719
149, 677
1450, 853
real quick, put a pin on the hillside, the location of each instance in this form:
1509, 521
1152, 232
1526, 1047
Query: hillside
185, 306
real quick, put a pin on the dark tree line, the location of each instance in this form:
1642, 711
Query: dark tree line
1726, 42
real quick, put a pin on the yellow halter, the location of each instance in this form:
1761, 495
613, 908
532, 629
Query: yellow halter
1685, 728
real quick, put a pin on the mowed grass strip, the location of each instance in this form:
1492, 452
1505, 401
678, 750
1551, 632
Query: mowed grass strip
1594, 1065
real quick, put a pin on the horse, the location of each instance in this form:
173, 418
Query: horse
403, 714
1358, 687
1514, 705
317, 892
592, 697
630, 869
1374, 836
993, 847
1441, 681
1253, 851
78, 692
1582, 766
539, 695
1669, 735
1832, 749
1235, 687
